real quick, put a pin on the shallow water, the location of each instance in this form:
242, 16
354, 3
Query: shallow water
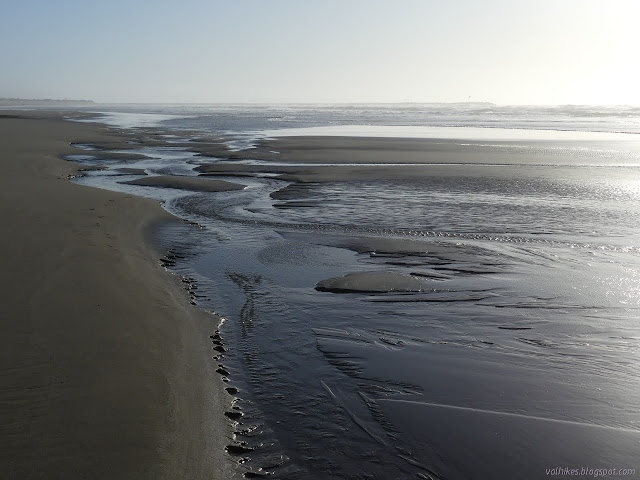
518, 353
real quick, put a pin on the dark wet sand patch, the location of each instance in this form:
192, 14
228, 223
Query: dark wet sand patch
197, 184
241, 168
373, 282
129, 171
295, 204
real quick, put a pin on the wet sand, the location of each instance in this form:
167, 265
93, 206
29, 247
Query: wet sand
466, 393
107, 370
331, 159
186, 183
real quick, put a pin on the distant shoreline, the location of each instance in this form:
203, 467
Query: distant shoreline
44, 102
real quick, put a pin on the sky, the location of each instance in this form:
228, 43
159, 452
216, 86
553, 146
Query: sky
343, 51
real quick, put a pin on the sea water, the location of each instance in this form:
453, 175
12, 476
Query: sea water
517, 353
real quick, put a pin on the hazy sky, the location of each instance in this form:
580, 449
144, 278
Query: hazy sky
502, 51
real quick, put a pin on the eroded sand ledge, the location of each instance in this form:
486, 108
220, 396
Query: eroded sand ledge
107, 370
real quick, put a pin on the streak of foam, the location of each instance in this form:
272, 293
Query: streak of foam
515, 415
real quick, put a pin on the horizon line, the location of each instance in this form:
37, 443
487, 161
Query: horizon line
405, 102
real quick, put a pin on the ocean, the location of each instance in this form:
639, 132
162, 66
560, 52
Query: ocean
459, 302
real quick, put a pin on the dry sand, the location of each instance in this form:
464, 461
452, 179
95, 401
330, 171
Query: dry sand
107, 370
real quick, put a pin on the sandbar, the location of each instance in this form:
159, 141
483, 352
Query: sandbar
373, 282
335, 158
186, 183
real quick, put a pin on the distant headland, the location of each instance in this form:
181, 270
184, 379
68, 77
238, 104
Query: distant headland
45, 102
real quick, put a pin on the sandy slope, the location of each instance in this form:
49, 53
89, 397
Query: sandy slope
106, 368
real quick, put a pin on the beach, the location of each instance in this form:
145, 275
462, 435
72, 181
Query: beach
458, 306
320, 241
107, 369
